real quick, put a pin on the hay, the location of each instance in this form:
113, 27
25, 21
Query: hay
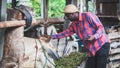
71, 61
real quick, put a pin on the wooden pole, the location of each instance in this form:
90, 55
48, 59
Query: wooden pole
14, 48
68, 2
46, 16
14, 3
3, 15
6, 24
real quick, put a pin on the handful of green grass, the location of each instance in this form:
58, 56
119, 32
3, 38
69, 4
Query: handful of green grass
71, 61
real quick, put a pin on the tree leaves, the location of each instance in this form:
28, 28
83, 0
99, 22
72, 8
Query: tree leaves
55, 7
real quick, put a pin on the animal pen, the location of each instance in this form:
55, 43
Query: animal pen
14, 51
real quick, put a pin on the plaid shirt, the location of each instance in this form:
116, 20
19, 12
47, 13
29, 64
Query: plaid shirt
88, 25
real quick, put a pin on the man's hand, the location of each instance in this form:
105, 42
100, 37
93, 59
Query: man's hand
91, 38
45, 38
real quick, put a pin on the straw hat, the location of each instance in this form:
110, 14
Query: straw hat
70, 9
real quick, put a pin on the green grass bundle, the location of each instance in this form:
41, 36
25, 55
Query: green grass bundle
71, 61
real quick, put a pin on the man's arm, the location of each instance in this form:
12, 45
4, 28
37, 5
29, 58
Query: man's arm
65, 33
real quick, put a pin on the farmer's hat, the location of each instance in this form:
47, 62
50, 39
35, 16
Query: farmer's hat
70, 9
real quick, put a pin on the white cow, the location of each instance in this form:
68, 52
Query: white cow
35, 54
50, 30
26, 52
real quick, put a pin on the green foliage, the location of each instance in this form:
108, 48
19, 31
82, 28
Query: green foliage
91, 7
9, 5
55, 8
71, 61
35, 4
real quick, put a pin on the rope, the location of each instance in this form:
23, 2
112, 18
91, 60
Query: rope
57, 44
66, 42
45, 55
36, 53
45, 62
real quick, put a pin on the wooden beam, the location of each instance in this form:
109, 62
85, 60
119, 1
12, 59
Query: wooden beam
114, 51
52, 20
68, 2
115, 57
86, 5
74, 2
114, 37
107, 1
113, 65
46, 10
6, 24
14, 3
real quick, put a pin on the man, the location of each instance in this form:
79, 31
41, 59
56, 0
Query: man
91, 32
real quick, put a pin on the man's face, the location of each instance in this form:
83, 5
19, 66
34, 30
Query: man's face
71, 16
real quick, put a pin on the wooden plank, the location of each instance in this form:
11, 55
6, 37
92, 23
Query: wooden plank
113, 65
115, 57
68, 2
114, 51
114, 37
14, 2
114, 45
109, 16
52, 20
109, 1
6, 24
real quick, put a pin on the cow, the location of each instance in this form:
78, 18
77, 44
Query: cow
30, 52
35, 54
25, 52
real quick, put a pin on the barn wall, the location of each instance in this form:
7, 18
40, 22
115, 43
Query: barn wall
107, 12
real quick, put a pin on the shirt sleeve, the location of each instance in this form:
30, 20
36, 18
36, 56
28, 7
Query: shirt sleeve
95, 22
64, 34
